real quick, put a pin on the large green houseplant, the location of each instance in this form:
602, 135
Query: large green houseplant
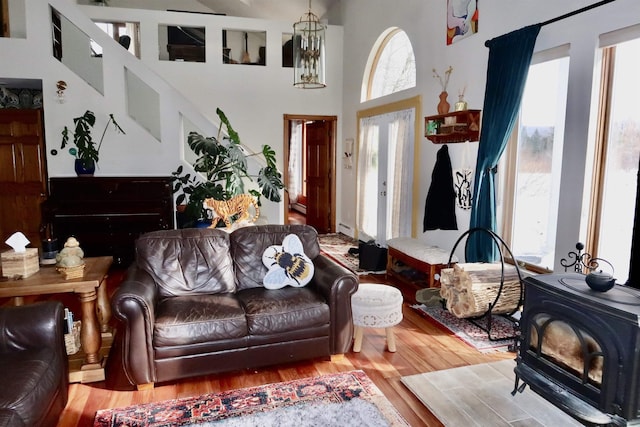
222, 171
86, 151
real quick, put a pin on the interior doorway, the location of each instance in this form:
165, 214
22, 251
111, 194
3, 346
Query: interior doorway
309, 172
4, 18
23, 175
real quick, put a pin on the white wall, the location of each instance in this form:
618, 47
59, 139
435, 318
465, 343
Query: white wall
425, 24
254, 98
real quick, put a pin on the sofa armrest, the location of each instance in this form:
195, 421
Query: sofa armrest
336, 284
133, 306
33, 326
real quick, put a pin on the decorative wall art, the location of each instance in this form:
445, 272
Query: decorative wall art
462, 181
462, 19
348, 153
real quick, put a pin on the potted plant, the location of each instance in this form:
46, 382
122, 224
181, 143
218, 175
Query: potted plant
85, 151
223, 164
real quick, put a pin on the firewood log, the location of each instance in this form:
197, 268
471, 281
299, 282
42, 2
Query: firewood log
470, 289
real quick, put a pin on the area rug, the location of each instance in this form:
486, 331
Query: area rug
336, 246
480, 395
345, 399
502, 329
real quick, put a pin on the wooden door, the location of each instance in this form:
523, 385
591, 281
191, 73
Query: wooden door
23, 173
319, 170
4, 18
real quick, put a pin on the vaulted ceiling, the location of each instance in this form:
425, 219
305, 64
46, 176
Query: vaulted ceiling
279, 10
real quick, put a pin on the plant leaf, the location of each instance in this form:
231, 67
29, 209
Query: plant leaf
270, 180
233, 135
269, 156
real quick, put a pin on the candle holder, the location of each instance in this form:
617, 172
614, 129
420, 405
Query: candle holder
49, 251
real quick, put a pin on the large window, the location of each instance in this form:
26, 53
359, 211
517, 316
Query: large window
534, 163
616, 159
392, 66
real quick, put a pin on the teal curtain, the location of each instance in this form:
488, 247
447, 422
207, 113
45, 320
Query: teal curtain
507, 69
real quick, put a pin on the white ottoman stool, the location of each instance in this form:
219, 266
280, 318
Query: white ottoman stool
376, 306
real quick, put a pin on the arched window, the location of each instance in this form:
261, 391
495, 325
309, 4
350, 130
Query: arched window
391, 66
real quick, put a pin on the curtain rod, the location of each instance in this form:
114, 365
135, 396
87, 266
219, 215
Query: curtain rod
575, 12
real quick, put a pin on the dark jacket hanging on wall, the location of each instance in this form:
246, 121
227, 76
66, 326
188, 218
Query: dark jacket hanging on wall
440, 207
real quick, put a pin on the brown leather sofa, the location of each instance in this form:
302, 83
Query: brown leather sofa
33, 365
193, 303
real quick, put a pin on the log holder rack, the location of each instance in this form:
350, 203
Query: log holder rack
475, 320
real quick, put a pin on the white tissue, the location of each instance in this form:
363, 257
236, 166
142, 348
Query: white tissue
18, 242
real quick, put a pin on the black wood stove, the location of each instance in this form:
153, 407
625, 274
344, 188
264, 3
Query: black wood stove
580, 349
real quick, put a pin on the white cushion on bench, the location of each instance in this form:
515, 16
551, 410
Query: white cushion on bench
418, 250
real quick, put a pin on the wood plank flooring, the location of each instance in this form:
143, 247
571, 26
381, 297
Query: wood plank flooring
421, 347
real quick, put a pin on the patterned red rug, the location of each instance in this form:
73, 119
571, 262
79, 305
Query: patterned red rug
502, 330
271, 404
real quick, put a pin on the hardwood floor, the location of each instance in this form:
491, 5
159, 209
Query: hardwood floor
296, 217
421, 347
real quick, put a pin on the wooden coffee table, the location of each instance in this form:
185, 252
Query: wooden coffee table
96, 311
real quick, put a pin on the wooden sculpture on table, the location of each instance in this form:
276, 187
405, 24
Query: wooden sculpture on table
69, 260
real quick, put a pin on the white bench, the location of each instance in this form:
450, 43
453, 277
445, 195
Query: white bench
419, 256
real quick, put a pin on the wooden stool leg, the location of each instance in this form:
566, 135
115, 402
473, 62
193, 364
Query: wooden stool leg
357, 342
391, 340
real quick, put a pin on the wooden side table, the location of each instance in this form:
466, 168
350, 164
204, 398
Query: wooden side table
96, 310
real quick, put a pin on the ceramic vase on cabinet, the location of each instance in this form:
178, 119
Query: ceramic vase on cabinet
443, 105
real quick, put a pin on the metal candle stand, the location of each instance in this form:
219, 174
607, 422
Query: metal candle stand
582, 261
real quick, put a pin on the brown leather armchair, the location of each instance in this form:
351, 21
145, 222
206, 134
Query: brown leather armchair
193, 303
33, 364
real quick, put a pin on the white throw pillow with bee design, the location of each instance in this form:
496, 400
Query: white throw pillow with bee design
287, 264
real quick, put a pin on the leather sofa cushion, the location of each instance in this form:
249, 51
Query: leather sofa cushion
29, 380
249, 243
198, 319
187, 261
9, 418
282, 310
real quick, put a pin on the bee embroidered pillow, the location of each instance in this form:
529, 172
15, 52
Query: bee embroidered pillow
287, 264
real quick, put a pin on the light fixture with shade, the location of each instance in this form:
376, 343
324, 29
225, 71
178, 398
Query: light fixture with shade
308, 52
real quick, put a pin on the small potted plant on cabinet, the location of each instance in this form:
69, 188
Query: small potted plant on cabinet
86, 151
223, 164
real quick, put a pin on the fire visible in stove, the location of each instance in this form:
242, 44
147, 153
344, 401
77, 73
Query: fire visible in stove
568, 346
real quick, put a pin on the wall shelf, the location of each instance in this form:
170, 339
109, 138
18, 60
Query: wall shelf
457, 126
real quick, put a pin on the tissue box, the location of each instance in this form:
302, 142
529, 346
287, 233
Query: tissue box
23, 264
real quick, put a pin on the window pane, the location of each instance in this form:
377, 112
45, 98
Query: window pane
370, 181
621, 167
395, 69
539, 161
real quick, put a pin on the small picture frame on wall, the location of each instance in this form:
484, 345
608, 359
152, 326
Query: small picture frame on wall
462, 19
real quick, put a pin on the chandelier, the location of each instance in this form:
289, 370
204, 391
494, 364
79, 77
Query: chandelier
308, 52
